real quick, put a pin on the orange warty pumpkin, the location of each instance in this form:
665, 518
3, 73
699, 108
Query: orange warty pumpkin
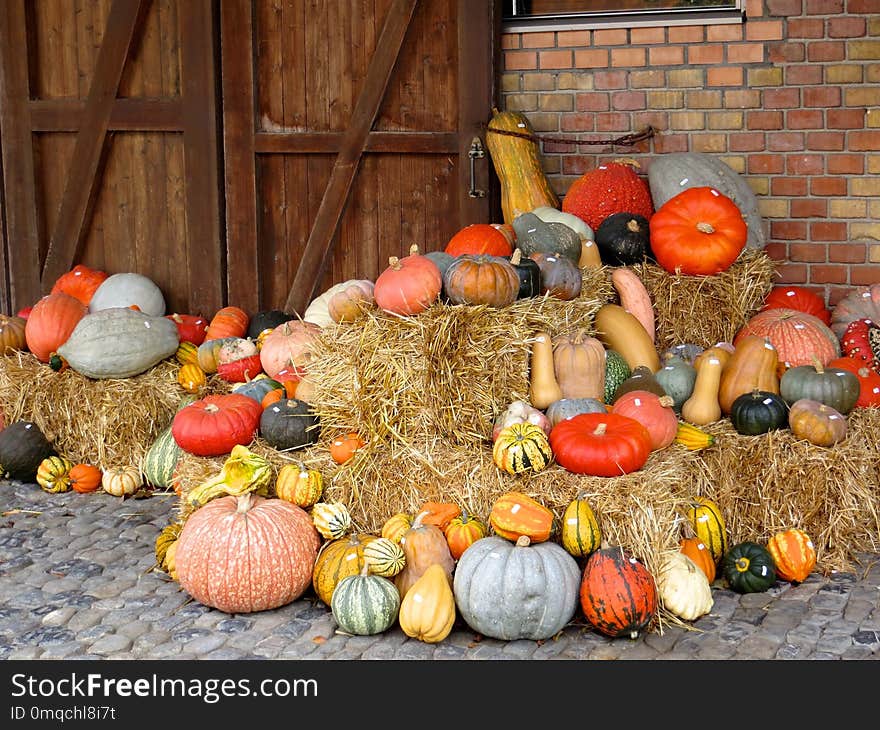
613, 187
794, 554
50, 323
516, 514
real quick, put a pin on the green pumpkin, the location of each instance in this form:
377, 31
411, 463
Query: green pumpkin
748, 568
758, 412
289, 424
623, 239
677, 377
616, 371
23, 446
835, 387
365, 604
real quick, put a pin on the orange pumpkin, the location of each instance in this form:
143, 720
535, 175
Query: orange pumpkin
463, 531
289, 347
479, 238
515, 514
343, 448
228, 321
409, 285
85, 478
654, 412
797, 336
12, 333
794, 554
50, 323
438, 513
395, 527
80, 282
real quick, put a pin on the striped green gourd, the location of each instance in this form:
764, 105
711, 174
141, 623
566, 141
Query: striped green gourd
616, 371
365, 604
161, 460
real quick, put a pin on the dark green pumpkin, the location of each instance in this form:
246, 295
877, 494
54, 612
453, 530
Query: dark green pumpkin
677, 377
835, 387
529, 274
266, 320
289, 424
748, 568
623, 239
22, 447
616, 371
534, 235
758, 412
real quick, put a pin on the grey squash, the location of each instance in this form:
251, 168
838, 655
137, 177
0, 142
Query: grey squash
22, 447
565, 408
677, 377
534, 235
289, 424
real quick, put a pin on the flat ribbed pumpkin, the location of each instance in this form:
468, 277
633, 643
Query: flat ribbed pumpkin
797, 336
515, 514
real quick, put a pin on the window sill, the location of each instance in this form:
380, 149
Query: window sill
627, 20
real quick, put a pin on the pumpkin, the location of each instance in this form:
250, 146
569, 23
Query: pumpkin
258, 386
816, 422
80, 282
869, 380
126, 290
612, 187
289, 424
190, 327
520, 412
534, 235
700, 555
515, 514
53, 474
229, 321
438, 513
580, 534
208, 353
748, 568
338, 558
187, 353
682, 587
119, 343
121, 481
23, 446
579, 364
161, 459
423, 546
245, 553
409, 285
365, 604
699, 232
758, 412
51, 321
515, 156
481, 279
442, 260
85, 478
164, 541
544, 389
654, 412
529, 274
331, 519
835, 387
478, 239
396, 526
677, 378
641, 379
213, 425
797, 336
861, 303
566, 408
384, 557
560, 277
618, 594
521, 447
516, 590
427, 609
800, 298
463, 531
708, 525
351, 302
794, 554
692, 437
290, 346
264, 321
191, 378
623, 239
554, 215
861, 339
600, 444
12, 335
300, 485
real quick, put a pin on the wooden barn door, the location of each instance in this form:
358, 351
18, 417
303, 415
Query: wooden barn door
347, 128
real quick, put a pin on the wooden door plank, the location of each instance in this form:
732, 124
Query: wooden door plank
203, 216
128, 115
84, 175
318, 248
22, 223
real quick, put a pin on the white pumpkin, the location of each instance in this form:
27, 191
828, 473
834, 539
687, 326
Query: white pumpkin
317, 312
127, 290
552, 215
683, 588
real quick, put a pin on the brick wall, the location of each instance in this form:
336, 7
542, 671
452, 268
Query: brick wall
790, 99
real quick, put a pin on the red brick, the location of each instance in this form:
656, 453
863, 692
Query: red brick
647, 35
610, 37
809, 208
788, 186
847, 253
790, 274
864, 6
572, 38
724, 33
666, 56
809, 252
819, 51
628, 57
864, 141
805, 164
788, 52
804, 119
687, 34
805, 28
864, 275
785, 141
803, 75
766, 164
846, 164
747, 142
577, 122
510, 40
846, 27
705, 53
776, 250
658, 120
609, 80
671, 143
592, 101
832, 187
577, 164
561, 148
785, 8
826, 231
782, 98
591, 58
520, 60
745, 53
764, 30
629, 100
825, 141
764, 120
613, 122
828, 274
724, 76
824, 7
823, 96
555, 59
539, 40
788, 230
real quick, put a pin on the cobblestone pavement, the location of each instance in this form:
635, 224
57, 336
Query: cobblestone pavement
76, 582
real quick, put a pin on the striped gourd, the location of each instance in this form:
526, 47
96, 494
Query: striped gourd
298, 484
384, 557
365, 604
161, 459
187, 353
338, 559
169, 535
395, 527
580, 529
708, 524
53, 474
191, 378
794, 554
521, 447
331, 519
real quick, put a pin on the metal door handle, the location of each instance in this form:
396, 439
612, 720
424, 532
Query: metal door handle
476, 152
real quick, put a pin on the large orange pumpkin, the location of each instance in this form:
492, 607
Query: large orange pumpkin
797, 336
409, 285
80, 282
800, 298
50, 323
246, 553
12, 333
869, 380
654, 412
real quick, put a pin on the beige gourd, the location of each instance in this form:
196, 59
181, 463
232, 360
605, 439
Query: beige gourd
702, 407
683, 588
621, 331
544, 389
427, 611
579, 365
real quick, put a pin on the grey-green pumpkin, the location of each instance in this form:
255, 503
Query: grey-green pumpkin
365, 604
677, 377
289, 424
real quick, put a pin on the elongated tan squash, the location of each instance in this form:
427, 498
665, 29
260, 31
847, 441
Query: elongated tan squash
634, 297
619, 330
702, 408
544, 389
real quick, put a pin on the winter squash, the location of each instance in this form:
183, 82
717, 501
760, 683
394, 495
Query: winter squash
835, 387
478, 239
80, 282
869, 380
229, 321
396, 526
365, 604
384, 557
190, 327
129, 289
621, 331
653, 412
161, 460
338, 558
692, 437
85, 478
797, 336
462, 532
245, 553
423, 546
257, 387
119, 343
516, 590
264, 321
53, 474
580, 534
529, 274
290, 346
213, 425
861, 303
699, 232
12, 334
438, 513
700, 555
427, 609
702, 406
191, 378
544, 389
817, 423
612, 187
623, 238
721, 350
617, 370
443, 261
787, 296
752, 366
579, 364
758, 412
352, 302
634, 297
682, 587
23, 446
242, 471
121, 481
344, 447
640, 379
519, 411
560, 277
598, 444
677, 377
331, 519
861, 339
534, 235
515, 514
187, 353
289, 424
794, 554
566, 408
554, 215
521, 447
481, 279
618, 594
50, 323
300, 485
515, 155
748, 568
409, 285
708, 525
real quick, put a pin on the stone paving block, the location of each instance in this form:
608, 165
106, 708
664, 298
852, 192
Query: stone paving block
519, 649
133, 629
85, 619
110, 644
63, 651
59, 616
758, 647
205, 644
145, 642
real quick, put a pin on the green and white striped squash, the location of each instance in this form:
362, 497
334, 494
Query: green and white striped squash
365, 604
161, 459
119, 343
384, 557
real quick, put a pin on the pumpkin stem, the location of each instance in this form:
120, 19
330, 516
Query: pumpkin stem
414, 250
244, 502
600, 429
704, 227
394, 263
817, 364
667, 401
212, 408
516, 257
633, 225
523, 541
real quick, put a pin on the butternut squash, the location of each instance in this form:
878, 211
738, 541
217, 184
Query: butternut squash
544, 389
702, 408
590, 256
721, 350
579, 365
752, 366
619, 330
634, 297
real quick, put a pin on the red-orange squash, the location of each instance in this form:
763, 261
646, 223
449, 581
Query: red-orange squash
50, 323
600, 444
409, 285
869, 380
462, 532
247, 553
213, 425
438, 513
794, 554
699, 552
515, 514
343, 447
80, 282
228, 321
85, 478
797, 336
612, 187
479, 238
799, 298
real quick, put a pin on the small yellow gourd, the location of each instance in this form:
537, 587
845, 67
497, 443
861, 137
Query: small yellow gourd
702, 407
427, 611
544, 389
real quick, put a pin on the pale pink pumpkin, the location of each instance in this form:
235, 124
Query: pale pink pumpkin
247, 553
290, 346
797, 336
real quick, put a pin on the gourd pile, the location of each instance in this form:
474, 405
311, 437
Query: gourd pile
590, 409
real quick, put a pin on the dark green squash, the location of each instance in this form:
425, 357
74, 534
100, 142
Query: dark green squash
758, 412
748, 568
623, 239
289, 424
535, 236
529, 274
835, 387
22, 447
566, 408
616, 371
266, 320
677, 377
641, 378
